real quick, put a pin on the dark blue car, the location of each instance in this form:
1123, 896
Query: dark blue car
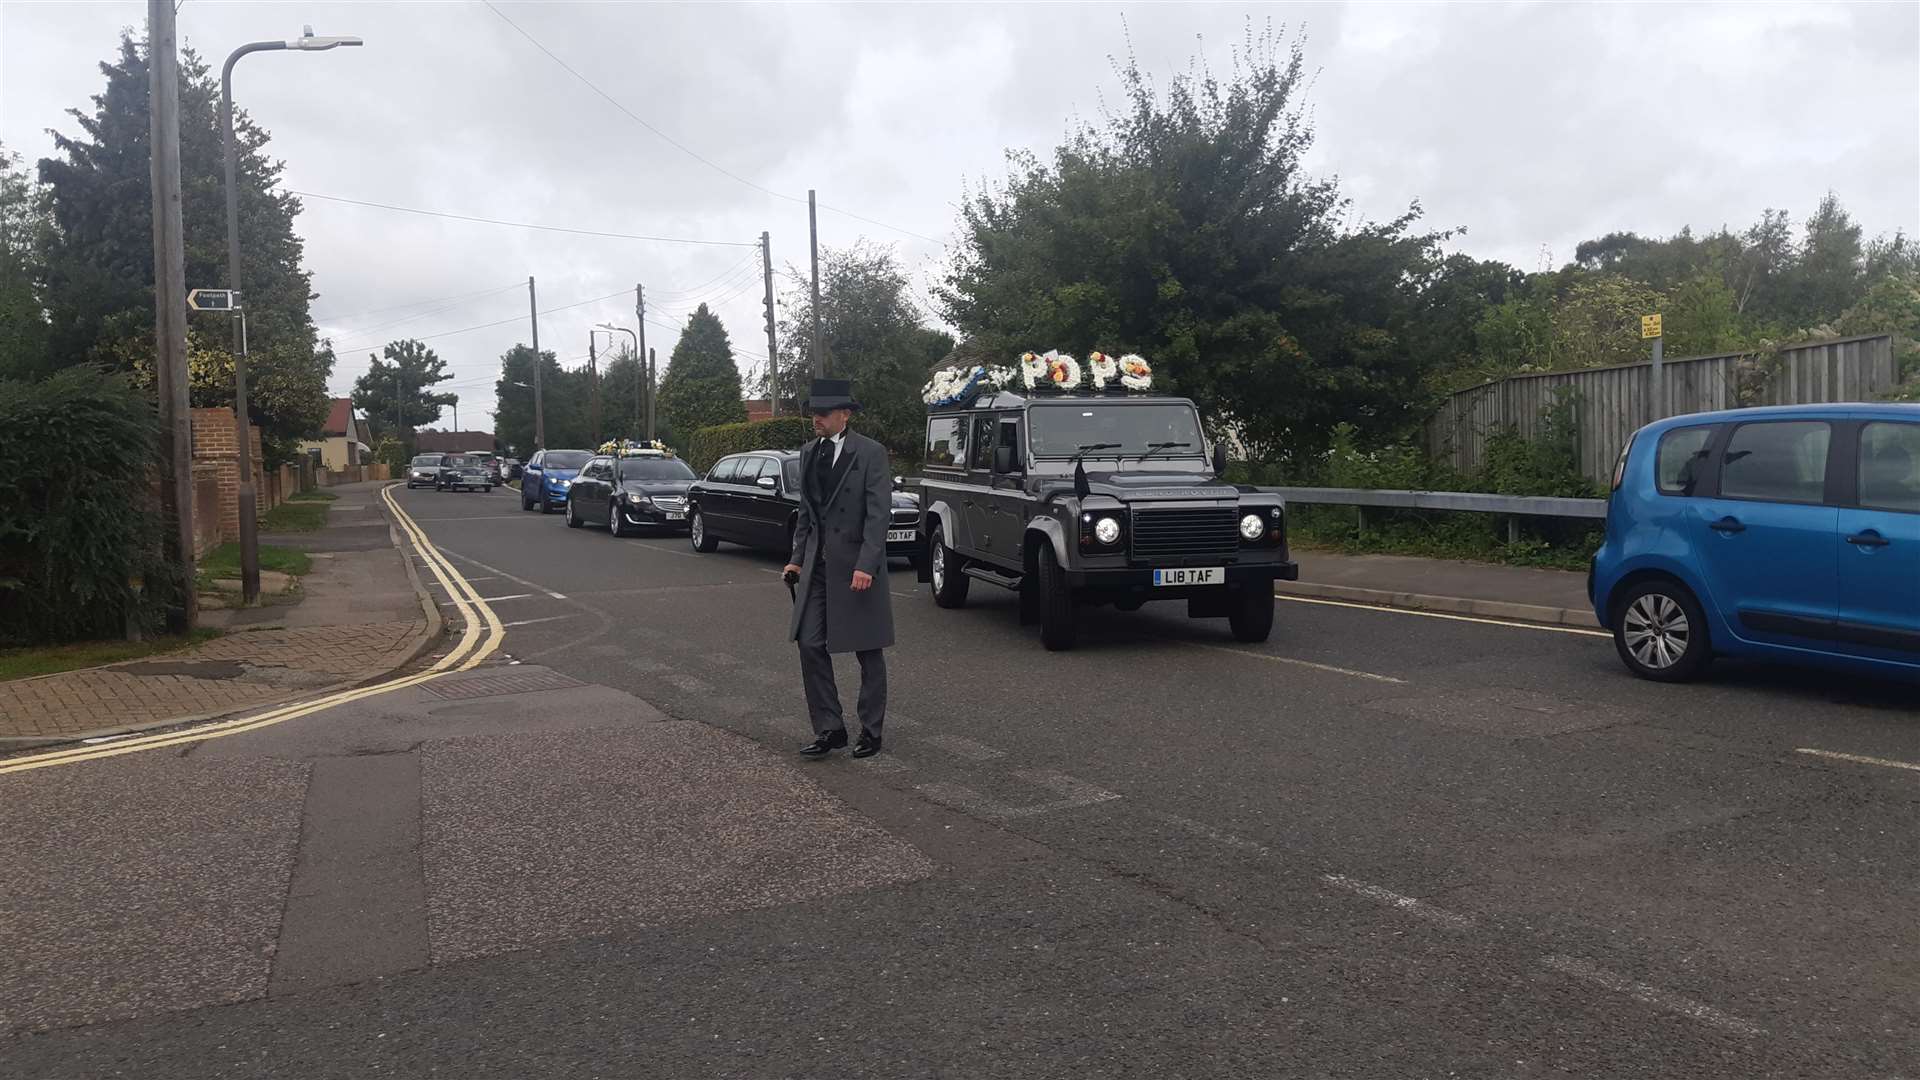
1788, 533
548, 477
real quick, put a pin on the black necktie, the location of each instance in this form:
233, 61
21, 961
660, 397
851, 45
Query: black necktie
823, 469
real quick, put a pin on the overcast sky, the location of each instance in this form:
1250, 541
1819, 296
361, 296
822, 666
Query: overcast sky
1532, 126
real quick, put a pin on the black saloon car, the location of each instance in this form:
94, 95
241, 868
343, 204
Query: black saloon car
462, 472
754, 499
646, 490
424, 471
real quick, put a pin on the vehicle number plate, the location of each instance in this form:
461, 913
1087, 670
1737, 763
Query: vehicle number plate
1210, 575
896, 536
676, 515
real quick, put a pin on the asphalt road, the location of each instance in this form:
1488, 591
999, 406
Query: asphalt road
1380, 845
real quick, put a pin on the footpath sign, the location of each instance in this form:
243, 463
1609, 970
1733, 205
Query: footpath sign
213, 300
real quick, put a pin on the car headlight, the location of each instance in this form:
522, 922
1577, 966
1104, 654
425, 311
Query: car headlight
1106, 530
563, 484
1252, 528
637, 498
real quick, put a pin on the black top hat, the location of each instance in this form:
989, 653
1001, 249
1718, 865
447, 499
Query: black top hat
832, 394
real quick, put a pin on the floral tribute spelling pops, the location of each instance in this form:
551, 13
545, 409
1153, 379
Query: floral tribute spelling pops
1052, 370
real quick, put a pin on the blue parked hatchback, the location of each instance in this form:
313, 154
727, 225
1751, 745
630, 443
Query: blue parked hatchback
548, 477
1788, 533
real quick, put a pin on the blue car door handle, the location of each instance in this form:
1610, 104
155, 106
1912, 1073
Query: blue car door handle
1869, 538
1728, 524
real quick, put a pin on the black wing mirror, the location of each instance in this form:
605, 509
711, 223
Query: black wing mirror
1004, 460
1219, 459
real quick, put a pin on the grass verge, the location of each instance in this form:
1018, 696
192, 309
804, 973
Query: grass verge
302, 515
27, 663
316, 495
224, 561
1548, 543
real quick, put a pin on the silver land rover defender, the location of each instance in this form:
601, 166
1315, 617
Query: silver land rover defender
1094, 497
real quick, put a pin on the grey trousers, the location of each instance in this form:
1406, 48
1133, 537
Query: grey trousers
816, 669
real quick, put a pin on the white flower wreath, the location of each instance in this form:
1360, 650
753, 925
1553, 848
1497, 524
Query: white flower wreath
1135, 372
1101, 370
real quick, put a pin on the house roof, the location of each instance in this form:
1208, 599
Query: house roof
338, 418
453, 442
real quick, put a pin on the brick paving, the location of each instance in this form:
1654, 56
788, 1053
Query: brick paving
232, 672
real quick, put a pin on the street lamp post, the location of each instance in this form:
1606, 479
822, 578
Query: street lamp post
249, 527
640, 372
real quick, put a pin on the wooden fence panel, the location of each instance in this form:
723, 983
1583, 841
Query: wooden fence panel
1614, 402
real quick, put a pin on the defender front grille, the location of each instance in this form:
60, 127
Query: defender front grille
1210, 532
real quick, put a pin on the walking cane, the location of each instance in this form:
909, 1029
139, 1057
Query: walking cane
790, 577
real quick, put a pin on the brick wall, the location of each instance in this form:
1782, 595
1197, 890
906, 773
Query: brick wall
215, 444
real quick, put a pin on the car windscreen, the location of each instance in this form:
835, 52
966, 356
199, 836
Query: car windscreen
658, 469
564, 459
461, 461
427, 459
1061, 430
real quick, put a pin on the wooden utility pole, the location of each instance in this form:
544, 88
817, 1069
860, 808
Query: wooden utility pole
539, 403
773, 347
170, 313
652, 412
813, 241
593, 379
645, 359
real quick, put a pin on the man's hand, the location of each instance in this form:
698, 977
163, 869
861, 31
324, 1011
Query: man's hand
792, 568
862, 581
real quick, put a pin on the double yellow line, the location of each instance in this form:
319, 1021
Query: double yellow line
479, 640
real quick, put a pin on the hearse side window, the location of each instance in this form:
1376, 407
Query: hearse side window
982, 454
947, 441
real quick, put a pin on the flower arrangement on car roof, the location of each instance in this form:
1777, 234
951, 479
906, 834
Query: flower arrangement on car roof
635, 448
1051, 370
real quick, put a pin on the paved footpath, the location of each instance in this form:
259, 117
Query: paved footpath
359, 617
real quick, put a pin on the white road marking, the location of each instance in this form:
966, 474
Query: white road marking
961, 746
1860, 759
509, 596
476, 517
1405, 903
1651, 995
1581, 631
1211, 833
504, 574
1077, 793
1298, 663
530, 622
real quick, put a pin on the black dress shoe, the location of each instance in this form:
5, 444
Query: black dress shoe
825, 743
867, 746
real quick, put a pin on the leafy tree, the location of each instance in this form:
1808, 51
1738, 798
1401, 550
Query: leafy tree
1829, 275
701, 385
1699, 318
871, 333
1598, 322
1186, 228
25, 231
564, 395
622, 396
99, 266
405, 378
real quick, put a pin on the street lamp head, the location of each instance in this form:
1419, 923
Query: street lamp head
306, 42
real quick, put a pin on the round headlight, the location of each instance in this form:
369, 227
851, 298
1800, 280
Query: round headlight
1252, 528
1106, 530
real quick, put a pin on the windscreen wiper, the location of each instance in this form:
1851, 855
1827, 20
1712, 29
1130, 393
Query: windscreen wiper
1080, 470
1155, 447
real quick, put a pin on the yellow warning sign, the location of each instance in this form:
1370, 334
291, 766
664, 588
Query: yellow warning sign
1649, 326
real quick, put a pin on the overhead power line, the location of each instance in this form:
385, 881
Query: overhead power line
523, 224
682, 147
483, 326
333, 319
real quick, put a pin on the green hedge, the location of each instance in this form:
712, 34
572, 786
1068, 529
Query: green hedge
710, 444
78, 529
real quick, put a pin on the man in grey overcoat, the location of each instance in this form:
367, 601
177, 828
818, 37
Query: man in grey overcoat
840, 554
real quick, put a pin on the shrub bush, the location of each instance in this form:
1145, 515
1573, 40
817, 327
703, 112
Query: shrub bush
78, 525
710, 444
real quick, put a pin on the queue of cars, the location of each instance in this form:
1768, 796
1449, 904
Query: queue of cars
750, 499
453, 472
